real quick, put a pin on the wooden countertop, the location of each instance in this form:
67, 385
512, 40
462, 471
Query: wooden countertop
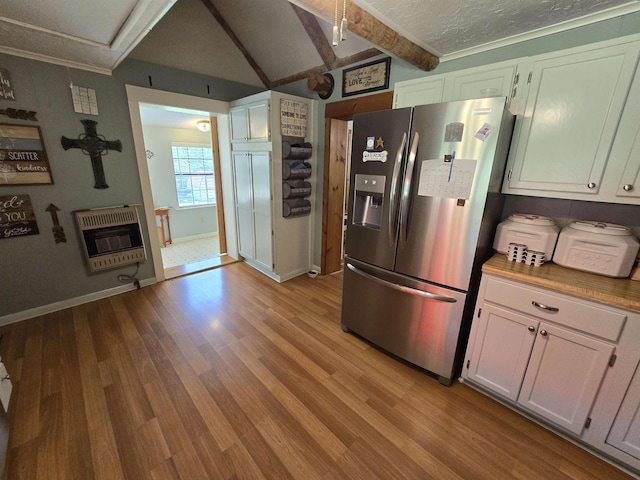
618, 292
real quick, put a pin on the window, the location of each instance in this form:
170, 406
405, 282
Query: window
193, 168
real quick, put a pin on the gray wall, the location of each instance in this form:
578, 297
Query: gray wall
36, 271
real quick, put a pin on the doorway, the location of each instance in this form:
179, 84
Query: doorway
337, 142
176, 213
182, 161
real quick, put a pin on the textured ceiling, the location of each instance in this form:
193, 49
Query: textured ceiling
447, 27
88, 34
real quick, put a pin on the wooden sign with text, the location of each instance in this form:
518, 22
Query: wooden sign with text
23, 159
16, 216
366, 78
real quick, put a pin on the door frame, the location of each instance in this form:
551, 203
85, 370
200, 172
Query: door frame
336, 115
215, 108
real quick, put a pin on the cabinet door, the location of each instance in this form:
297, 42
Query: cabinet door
239, 122
495, 80
418, 92
625, 433
501, 350
573, 107
258, 115
626, 148
242, 178
260, 167
564, 375
244, 204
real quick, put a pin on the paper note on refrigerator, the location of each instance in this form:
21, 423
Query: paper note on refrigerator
446, 179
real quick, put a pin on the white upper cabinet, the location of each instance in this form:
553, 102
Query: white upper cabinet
421, 91
562, 141
495, 80
250, 123
623, 178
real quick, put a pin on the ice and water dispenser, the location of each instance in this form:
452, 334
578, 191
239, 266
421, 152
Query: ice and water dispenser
368, 201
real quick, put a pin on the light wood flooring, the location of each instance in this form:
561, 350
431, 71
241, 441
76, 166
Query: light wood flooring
228, 375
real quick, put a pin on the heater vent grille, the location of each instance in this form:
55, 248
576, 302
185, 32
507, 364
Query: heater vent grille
111, 217
111, 237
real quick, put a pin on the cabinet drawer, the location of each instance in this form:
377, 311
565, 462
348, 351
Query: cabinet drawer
580, 315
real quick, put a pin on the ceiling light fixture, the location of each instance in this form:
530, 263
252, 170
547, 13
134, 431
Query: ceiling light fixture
204, 125
336, 34
343, 23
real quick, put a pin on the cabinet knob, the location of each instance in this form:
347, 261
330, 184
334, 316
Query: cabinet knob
591, 185
628, 187
543, 333
531, 328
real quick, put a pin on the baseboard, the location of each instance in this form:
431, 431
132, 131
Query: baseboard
72, 302
194, 237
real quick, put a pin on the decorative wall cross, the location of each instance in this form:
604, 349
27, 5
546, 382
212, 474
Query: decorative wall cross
95, 146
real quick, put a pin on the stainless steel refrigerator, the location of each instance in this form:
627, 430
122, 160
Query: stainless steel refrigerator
423, 206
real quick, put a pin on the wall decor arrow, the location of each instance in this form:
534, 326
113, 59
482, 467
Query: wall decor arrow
58, 231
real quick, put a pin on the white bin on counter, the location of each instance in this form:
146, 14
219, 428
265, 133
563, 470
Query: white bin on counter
597, 247
536, 232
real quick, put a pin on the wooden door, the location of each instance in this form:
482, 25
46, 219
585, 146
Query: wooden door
334, 172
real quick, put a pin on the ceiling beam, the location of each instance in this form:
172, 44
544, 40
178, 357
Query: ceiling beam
366, 26
320, 42
225, 26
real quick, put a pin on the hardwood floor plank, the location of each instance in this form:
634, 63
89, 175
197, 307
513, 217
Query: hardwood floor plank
25, 399
228, 375
104, 454
178, 395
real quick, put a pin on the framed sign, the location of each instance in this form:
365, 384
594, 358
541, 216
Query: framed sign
366, 78
23, 160
16, 216
6, 87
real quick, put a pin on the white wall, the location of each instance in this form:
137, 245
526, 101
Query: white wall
185, 222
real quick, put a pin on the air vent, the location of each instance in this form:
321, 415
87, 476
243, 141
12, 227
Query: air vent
111, 237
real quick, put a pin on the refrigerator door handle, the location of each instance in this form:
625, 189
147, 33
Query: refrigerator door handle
406, 190
402, 288
393, 203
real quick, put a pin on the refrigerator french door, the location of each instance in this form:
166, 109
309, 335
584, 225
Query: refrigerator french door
423, 207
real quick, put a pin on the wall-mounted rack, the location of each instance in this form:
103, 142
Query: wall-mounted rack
294, 171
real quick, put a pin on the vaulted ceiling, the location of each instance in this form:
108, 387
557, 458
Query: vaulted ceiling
272, 42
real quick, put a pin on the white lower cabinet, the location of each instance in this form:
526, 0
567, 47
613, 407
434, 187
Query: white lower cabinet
567, 361
564, 375
503, 343
625, 433
552, 371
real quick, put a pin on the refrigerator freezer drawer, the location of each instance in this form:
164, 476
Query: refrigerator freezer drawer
420, 325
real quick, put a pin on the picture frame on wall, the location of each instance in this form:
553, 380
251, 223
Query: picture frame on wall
23, 158
366, 78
